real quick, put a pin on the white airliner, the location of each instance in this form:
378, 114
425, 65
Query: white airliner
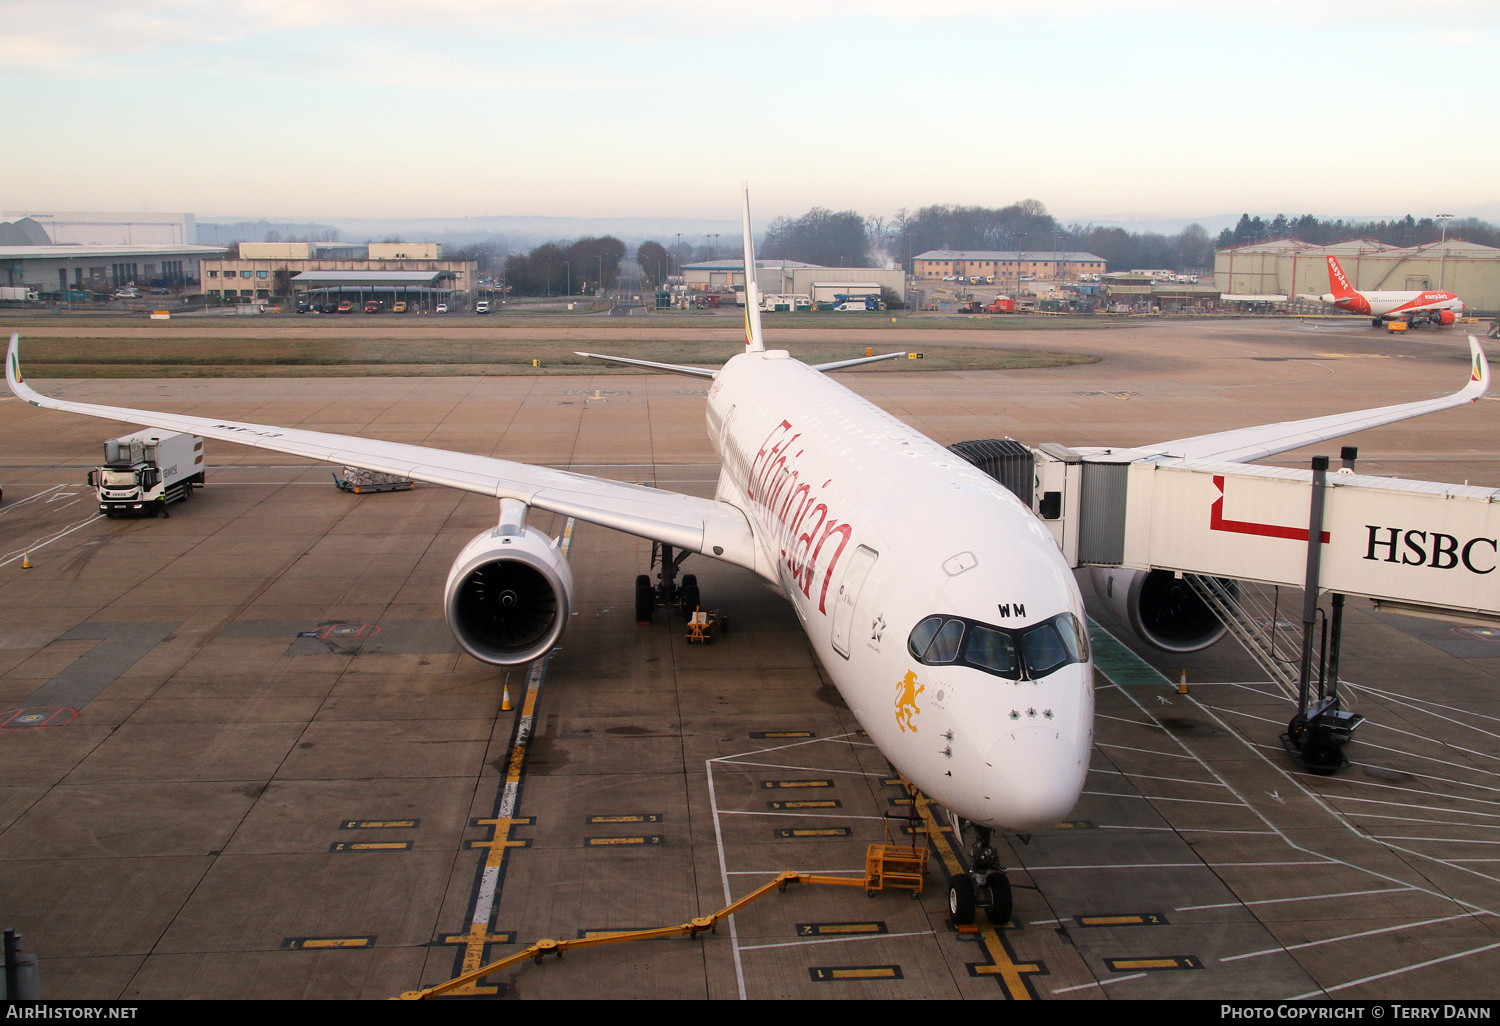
937, 601
1433, 306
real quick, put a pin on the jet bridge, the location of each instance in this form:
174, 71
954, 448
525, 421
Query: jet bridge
1417, 547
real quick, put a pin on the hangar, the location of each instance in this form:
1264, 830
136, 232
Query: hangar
788, 277
1290, 267
423, 290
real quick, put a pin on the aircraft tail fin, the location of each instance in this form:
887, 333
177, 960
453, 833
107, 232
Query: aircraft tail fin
1338, 282
754, 343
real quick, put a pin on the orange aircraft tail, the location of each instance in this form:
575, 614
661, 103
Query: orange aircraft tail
1338, 283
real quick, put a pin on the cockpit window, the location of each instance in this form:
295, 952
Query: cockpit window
1015, 653
991, 650
944, 647
922, 634
1043, 649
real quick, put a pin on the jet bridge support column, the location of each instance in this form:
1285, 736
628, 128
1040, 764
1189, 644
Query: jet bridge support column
1319, 728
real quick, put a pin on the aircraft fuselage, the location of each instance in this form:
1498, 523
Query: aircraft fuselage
871, 529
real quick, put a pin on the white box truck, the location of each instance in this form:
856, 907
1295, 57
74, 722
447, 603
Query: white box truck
17, 294
145, 471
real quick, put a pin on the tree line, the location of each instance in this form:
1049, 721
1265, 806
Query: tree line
847, 238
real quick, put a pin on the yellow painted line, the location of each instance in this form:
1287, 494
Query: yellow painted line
1076, 824
814, 832
827, 974
1171, 962
380, 824
826, 803
765, 735
507, 937
778, 784
1014, 976
597, 842
646, 817
347, 846
1137, 919
316, 943
839, 929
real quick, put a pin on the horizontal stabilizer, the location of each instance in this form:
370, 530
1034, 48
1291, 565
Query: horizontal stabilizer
841, 364
671, 368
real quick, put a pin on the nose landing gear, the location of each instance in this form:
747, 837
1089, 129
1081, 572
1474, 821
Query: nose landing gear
985, 885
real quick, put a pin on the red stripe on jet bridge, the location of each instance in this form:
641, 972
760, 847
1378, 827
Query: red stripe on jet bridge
1216, 522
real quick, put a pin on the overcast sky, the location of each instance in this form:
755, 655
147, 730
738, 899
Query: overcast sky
1150, 109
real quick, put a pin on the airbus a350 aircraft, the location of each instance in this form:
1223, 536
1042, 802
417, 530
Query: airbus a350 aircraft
936, 600
1433, 306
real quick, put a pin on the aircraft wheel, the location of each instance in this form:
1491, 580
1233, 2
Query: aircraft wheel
645, 599
1001, 901
1375, 322
690, 600
1322, 756
961, 899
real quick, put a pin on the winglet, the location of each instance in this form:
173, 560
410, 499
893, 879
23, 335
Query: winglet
1479, 371
754, 343
13, 372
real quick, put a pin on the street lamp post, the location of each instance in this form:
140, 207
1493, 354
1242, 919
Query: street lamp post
1445, 218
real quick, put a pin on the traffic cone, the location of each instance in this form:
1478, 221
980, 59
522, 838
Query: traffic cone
505, 695
1182, 684
26, 560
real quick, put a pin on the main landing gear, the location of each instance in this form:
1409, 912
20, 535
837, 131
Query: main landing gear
983, 886
667, 592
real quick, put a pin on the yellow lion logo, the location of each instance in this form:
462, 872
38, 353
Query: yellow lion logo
906, 701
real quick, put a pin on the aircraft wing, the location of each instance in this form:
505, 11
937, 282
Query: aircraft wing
1245, 444
685, 521
841, 364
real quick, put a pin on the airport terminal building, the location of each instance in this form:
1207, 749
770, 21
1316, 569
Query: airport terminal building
260, 271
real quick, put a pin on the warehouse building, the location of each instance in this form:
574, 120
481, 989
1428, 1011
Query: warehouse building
937, 264
786, 277
106, 228
1290, 267
264, 270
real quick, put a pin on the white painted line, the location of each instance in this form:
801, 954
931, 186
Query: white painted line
1145, 776
1433, 822
1396, 972
1134, 723
830, 814
1305, 897
48, 541
1159, 798
1445, 840
819, 872
1187, 830
1145, 751
18, 503
1098, 983
1184, 865
839, 940
1380, 692
1412, 790
729, 760
1409, 805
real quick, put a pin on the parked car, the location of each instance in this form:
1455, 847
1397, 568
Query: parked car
372, 306
441, 308
160, 292
346, 306
481, 307
399, 306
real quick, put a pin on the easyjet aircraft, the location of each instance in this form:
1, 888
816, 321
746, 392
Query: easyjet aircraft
937, 601
1432, 306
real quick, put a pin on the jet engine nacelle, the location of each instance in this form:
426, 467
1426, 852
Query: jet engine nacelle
508, 595
1159, 607
1446, 317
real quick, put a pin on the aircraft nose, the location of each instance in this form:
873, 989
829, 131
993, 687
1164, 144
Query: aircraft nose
1033, 776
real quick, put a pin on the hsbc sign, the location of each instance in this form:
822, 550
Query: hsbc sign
1413, 542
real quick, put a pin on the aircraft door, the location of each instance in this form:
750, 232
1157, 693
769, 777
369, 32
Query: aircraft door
848, 596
